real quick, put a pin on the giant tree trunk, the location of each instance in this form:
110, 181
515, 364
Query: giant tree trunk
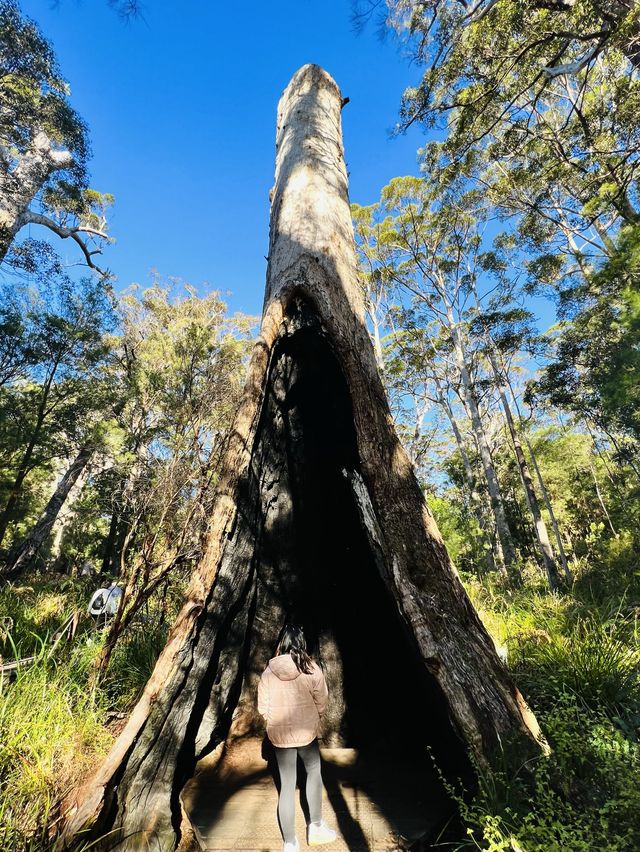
22, 557
318, 516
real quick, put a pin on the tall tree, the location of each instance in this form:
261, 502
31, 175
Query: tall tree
65, 326
43, 145
313, 443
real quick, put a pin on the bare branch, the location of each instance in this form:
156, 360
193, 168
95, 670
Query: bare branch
71, 233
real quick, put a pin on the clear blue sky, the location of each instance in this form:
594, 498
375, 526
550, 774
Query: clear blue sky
181, 108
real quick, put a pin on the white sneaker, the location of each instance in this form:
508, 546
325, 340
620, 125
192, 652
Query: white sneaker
291, 847
320, 833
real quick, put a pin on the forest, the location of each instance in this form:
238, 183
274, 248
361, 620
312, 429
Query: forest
501, 289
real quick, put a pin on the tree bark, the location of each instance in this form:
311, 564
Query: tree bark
27, 550
255, 563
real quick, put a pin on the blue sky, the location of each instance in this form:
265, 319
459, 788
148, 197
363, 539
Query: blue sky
181, 109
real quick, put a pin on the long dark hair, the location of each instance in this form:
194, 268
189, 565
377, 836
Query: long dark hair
292, 642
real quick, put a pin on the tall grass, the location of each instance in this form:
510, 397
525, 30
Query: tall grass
54, 726
52, 730
577, 660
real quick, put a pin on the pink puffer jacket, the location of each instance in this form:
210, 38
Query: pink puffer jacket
291, 702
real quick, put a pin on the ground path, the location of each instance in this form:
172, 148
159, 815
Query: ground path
375, 802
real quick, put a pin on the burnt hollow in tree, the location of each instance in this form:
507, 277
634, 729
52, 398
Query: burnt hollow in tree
315, 565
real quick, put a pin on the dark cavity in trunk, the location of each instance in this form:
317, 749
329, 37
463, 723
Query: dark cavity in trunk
315, 566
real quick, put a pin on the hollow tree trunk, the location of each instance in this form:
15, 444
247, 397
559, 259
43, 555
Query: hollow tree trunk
253, 568
24, 554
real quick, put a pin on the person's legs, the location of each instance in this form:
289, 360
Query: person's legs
287, 759
310, 755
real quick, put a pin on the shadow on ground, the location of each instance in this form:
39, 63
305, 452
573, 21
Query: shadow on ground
377, 799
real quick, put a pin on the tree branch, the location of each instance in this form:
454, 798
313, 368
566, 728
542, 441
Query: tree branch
71, 233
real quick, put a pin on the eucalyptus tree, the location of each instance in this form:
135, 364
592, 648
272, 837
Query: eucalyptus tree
181, 361
424, 244
44, 145
420, 367
65, 325
550, 88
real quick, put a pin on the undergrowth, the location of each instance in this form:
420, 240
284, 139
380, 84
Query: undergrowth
54, 725
577, 661
575, 656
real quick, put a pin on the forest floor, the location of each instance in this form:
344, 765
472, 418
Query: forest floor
575, 656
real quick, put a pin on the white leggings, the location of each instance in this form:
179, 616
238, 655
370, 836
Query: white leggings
287, 764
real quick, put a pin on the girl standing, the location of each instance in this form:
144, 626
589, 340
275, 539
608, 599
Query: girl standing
292, 696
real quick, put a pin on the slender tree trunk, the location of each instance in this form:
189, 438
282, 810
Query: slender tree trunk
377, 342
109, 549
493, 486
543, 489
542, 534
600, 499
27, 550
554, 521
476, 499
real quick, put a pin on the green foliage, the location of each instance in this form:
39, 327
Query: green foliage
596, 369
578, 665
34, 94
51, 733
594, 662
133, 662
43, 164
54, 724
583, 797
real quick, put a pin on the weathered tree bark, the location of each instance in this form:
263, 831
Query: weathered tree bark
22, 557
313, 442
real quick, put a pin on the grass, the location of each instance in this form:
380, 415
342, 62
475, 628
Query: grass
54, 728
576, 657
